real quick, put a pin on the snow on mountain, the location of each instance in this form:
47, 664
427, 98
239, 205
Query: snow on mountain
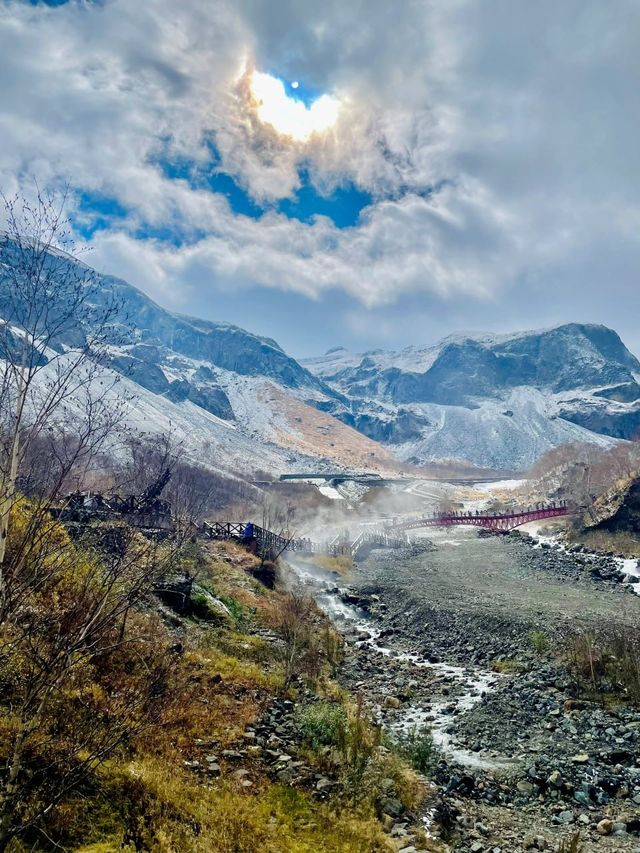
493, 400
237, 400
234, 400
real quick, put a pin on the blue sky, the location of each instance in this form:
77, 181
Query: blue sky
481, 171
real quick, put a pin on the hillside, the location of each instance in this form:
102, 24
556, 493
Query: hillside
494, 400
236, 401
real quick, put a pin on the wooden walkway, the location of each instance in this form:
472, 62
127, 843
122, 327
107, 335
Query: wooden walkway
269, 544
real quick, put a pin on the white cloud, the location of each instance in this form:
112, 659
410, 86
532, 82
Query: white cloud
525, 115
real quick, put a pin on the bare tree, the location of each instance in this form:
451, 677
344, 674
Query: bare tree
277, 518
55, 324
294, 620
64, 610
78, 676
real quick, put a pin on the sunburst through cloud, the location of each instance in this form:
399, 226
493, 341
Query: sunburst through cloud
290, 116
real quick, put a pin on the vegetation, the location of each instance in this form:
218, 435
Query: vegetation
416, 746
323, 724
506, 665
606, 665
571, 845
540, 642
341, 565
103, 760
616, 542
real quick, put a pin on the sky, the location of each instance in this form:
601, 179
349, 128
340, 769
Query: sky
353, 172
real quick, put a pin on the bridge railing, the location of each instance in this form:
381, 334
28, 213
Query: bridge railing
268, 543
501, 521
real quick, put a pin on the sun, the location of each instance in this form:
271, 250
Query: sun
289, 116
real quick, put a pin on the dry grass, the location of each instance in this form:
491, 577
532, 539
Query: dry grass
317, 433
627, 544
342, 565
171, 813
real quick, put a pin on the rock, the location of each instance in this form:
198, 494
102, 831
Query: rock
605, 827
392, 807
565, 817
240, 773
555, 779
580, 758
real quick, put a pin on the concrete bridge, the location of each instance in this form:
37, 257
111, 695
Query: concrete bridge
488, 521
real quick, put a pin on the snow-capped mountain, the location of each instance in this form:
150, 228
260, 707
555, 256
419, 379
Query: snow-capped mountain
236, 401
493, 400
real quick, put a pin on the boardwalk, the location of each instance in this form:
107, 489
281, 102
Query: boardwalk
268, 544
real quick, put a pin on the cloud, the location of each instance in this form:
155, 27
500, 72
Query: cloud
498, 142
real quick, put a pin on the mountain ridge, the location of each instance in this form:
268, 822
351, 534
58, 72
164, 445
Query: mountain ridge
494, 401
572, 382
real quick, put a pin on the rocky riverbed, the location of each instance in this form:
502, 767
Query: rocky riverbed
441, 638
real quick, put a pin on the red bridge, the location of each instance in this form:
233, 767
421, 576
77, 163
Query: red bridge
491, 521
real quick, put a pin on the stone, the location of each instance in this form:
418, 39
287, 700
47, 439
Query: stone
580, 758
240, 773
555, 779
605, 827
392, 807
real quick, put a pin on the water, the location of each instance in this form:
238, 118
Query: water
469, 686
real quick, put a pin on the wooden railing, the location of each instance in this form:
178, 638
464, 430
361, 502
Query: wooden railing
268, 544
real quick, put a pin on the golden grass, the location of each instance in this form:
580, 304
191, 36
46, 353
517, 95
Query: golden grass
173, 813
342, 565
602, 540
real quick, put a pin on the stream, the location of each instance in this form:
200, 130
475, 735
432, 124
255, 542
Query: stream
465, 686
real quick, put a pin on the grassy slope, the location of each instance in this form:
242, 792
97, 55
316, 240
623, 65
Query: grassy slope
152, 795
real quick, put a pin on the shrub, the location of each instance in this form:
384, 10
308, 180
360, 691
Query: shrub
416, 747
294, 619
506, 666
322, 724
236, 609
571, 845
608, 661
540, 642
362, 739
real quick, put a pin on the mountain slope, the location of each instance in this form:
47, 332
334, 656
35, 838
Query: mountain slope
494, 400
234, 399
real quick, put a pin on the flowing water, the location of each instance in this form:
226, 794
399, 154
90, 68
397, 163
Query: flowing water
468, 686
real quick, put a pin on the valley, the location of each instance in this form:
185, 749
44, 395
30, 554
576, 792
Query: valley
362, 619
466, 636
